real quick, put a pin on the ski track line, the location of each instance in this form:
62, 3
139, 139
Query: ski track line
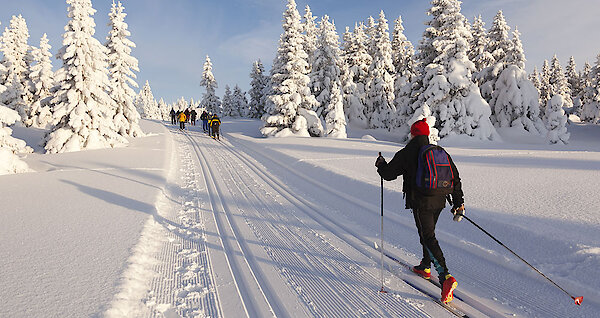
266, 234
184, 285
473, 303
507, 293
244, 270
309, 210
325, 295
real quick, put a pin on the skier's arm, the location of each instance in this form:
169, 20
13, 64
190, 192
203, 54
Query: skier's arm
390, 171
457, 194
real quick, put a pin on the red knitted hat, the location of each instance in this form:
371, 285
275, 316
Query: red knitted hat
420, 128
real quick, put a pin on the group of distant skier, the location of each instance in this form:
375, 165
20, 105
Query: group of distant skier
210, 122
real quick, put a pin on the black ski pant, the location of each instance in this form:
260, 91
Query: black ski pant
426, 220
215, 131
182, 125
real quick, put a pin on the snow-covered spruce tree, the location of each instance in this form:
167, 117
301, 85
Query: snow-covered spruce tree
405, 66
591, 101
556, 121
165, 110
210, 100
257, 89
42, 79
445, 82
545, 87
515, 99
534, 77
240, 103
585, 77
326, 66
355, 75
81, 104
499, 45
291, 98
574, 82
146, 105
10, 146
370, 28
227, 102
380, 89
121, 66
559, 83
18, 94
335, 120
311, 34
478, 53
424, 112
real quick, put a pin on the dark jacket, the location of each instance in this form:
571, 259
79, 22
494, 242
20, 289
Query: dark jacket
405, 163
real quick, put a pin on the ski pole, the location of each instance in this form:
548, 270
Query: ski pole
577, 300
382, 289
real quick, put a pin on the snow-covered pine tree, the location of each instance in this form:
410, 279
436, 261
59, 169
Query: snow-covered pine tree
586, 82
556, 121
210, 101
311, 34
559, 83
227, 102
545, 87
10, 147
515, 99
326, 61
591, 101
355, 76
534, 77
445, 83
165, 110
370, 28
291, 98
42, 79
574, 83
335, 120
121, 66
146, 105
257, 90
18, 94
240, 103
478, 52
380, 88
81, 105
499, 45
405, 66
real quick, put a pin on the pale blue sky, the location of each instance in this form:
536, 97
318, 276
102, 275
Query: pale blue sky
174, 37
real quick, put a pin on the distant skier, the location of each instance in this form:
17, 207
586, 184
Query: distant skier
173, 117
204, 118
426, 208
182, 119
193, 115
187, 114
215, 123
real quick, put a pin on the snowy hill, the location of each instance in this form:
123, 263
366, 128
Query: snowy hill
177, 224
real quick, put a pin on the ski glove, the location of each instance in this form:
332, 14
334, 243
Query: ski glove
458, 213
380, 160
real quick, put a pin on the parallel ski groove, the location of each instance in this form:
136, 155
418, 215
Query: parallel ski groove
327, 268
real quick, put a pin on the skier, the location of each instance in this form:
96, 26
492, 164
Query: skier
182, 119
187, 114
204, 118
425, 209
173, 117
193, 114
215, 123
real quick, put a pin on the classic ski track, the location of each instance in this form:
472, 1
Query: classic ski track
309, 209
307, 242
184, 281
467, 300
255, 307
505, 293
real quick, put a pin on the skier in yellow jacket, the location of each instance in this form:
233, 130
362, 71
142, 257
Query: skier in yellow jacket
182, 119
214, 124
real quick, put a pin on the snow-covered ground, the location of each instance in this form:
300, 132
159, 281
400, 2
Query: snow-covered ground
177, 224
